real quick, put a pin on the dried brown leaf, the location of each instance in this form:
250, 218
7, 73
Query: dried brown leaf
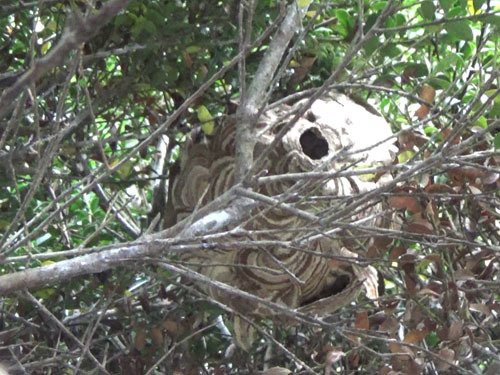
354, 359
428, 292
420, 226
490, 178
455, 331
157, 336
415, 336
397, 252
172, 327
439, 189
362, 321
331, 357
407, 202
369, 276
408, 73
187, 59
390, 325
427, 93
422, 111
466, 174
398, 348
140, 337
480, 307
411, 287
448, 355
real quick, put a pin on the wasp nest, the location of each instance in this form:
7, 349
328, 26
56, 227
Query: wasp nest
289, 260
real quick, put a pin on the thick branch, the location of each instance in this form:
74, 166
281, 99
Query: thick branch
249, 109
123, 253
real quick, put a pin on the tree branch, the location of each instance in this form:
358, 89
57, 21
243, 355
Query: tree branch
77, 33
248, 111
208, 220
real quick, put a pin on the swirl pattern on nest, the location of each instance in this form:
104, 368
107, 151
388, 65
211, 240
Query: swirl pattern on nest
325, 139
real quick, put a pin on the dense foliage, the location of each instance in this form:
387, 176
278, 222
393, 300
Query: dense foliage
91, 133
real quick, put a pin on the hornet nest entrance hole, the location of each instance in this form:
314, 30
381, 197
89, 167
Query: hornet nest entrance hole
313, 144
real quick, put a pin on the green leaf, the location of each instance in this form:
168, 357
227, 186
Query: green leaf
496, 141
391, 51
428, 10
439, 83
430, 130
495, 111
493, 20
446, 5
149, 27
416, 69
490, 93
344, 21
375, 7
432, 339
405, 156
125, 170
44, 293
193, 49
459, 30
371, 45
457, 11
155, 16
478, 4
125, 20
481, 122
342, 16
447, 62
206, 119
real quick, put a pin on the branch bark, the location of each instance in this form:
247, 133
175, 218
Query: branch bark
249, 110
206, 221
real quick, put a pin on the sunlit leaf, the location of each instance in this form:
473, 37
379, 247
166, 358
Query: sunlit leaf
482, 122
206, 120
473, 6
405, 156
303, 3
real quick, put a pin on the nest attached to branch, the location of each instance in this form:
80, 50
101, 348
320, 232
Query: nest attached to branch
296, 263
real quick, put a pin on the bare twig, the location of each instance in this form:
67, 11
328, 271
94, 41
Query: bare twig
81, 31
